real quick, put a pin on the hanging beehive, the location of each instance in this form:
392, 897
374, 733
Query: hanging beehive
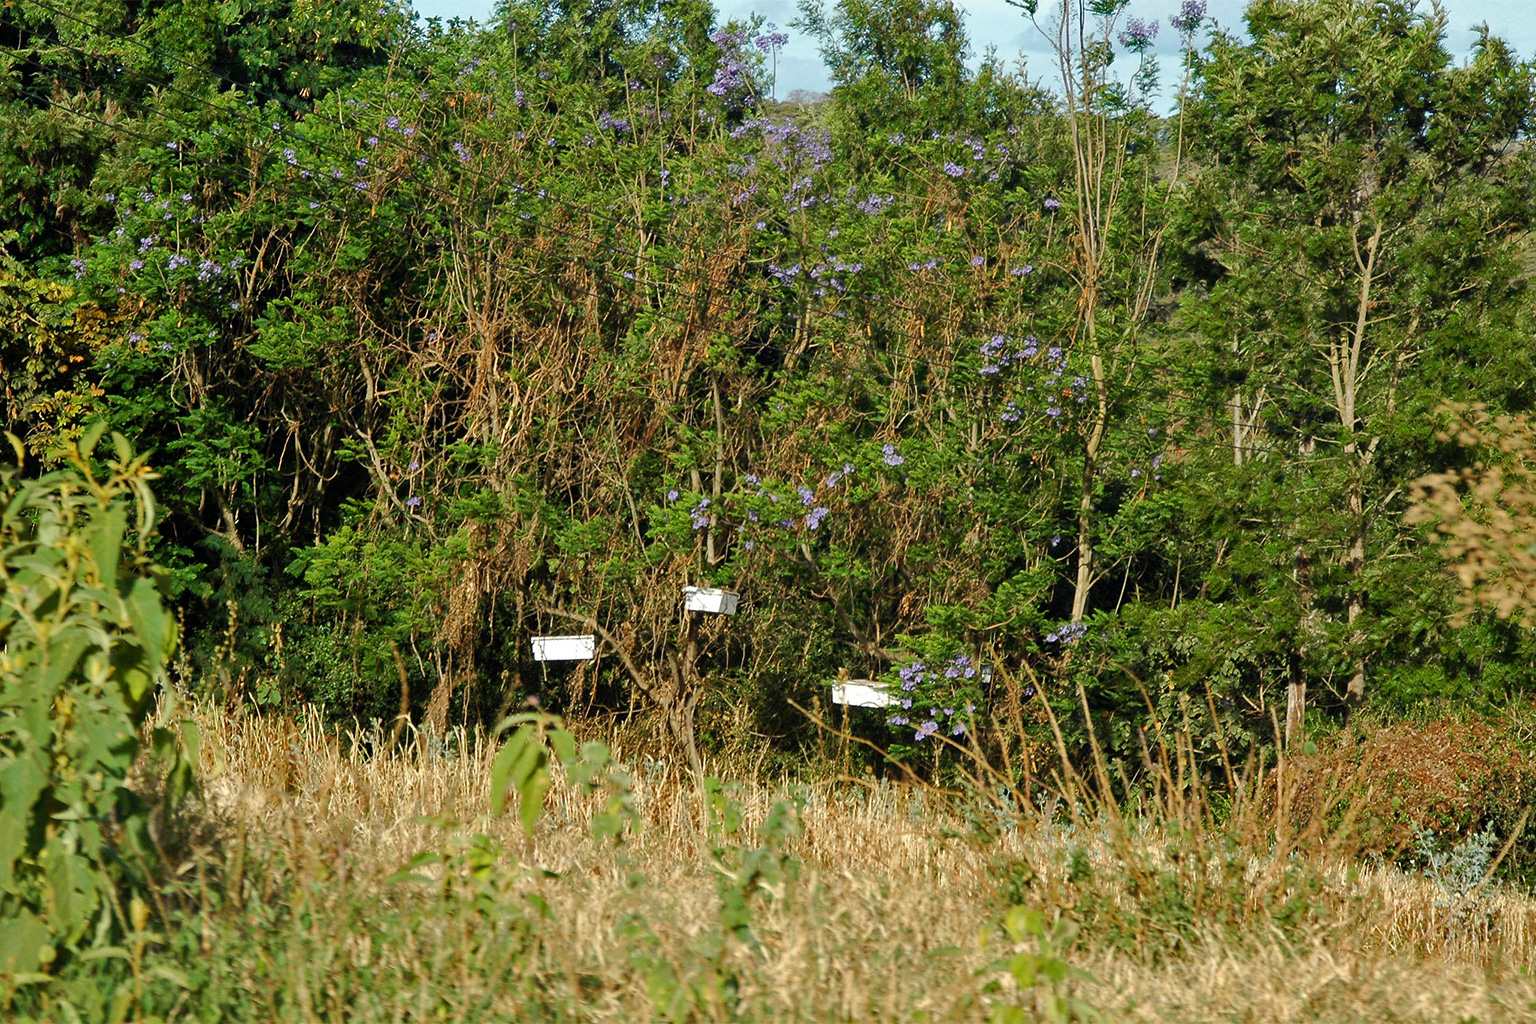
862, 693
710, 601
564, 648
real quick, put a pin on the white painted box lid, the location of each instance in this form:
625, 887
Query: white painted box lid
707, 599
564, 648
862, 693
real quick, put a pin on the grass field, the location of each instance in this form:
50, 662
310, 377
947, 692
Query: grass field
853, 900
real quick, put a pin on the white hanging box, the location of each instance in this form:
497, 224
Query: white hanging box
564, 648
715, 602
861, 693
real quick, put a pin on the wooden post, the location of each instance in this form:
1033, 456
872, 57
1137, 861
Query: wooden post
842, 740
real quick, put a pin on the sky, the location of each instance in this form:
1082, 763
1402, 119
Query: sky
994, 22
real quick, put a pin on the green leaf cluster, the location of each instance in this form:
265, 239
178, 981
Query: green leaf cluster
85, 636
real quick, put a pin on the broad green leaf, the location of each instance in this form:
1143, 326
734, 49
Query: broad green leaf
106, 543
23, 940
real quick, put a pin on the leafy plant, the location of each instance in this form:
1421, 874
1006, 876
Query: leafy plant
522, 769
85, 636
1039, 971
1462, 872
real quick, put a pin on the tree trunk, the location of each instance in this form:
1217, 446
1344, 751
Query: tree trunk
1296, 688
1355, 693
1091, 449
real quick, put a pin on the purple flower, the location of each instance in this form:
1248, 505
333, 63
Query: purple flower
925, 730
889, 456
136, 264
1053, 204
1138, 34
414, 466
672, 495
1055, 540
608, 122
954, 170
874, 205
79, 268
728, 78
1011, 413
1068, 632
392, 122
1024, 270
1191, 14
135, 338
770, 40
807, 496
700, 514
413, 502
978, 261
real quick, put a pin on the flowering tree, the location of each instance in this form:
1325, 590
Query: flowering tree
1115, 211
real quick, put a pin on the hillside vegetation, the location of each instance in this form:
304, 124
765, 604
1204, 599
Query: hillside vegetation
1168, 462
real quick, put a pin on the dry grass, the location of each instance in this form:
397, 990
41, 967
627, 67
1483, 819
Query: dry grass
892, 917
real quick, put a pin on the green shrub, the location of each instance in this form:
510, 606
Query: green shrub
84, 640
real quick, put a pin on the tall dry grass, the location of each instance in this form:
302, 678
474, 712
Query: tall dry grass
893, 916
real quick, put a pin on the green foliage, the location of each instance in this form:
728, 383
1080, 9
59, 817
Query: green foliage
1040, 973
522, 767
85, 635
50, 338
1463, 874
436, 328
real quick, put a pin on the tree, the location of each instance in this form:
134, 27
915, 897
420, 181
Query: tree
1114, 202
1359, 199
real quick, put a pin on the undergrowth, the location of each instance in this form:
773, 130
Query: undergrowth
327, 881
